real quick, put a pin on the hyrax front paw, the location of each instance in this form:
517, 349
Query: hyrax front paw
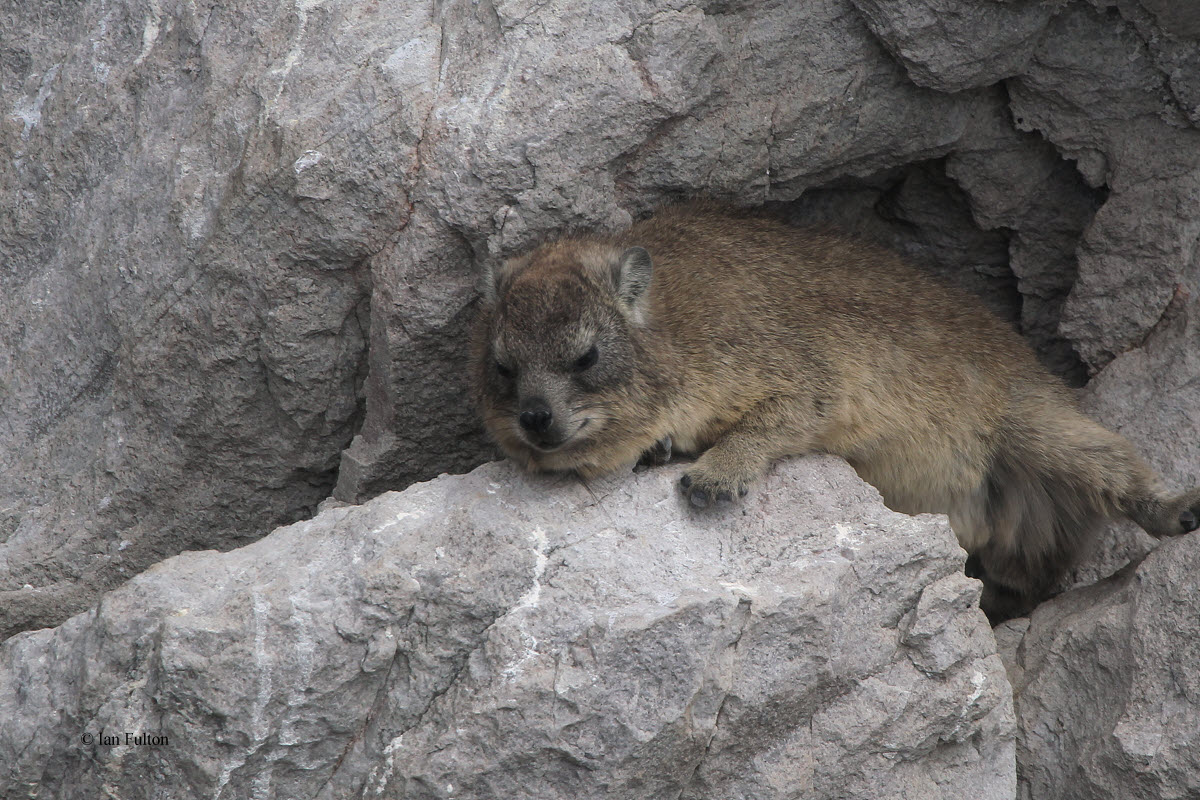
657, 455
703, 488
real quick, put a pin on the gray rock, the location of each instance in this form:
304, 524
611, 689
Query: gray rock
1151, 396
1171, 32
495, 635
1095, 90
236, 269
1009, 636
1107, 707
1020, 184
952, 45
184, 291
1114, 87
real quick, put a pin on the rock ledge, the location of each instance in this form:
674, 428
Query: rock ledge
499, 636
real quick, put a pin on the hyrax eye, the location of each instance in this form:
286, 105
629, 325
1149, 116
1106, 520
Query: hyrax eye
587, 360
505, 372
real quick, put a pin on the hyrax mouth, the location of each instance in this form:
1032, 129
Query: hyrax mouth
545, 444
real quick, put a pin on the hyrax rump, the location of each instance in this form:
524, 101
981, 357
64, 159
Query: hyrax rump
744, 340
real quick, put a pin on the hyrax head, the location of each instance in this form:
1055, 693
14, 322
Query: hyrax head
555, 347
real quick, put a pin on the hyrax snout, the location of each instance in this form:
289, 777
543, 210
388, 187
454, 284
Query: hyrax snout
741, 340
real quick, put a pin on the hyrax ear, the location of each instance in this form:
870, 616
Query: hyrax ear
633, 277
488, 291
494, 280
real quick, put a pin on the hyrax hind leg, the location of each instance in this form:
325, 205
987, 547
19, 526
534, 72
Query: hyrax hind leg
1055, 475
1163, 514
772, 429
1130, 488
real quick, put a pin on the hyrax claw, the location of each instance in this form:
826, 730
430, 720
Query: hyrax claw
704, 489
657, 455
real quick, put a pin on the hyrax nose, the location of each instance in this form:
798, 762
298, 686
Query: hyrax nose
536, 416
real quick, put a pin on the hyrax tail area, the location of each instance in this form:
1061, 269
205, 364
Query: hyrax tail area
1055, 476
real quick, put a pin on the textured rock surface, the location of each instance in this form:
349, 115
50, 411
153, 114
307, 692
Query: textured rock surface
1099, 90
1108, 697
237, 235
1112, 86
939, 41
496, 636
184, 316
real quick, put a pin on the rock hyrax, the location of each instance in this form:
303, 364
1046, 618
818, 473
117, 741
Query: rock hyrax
743, 340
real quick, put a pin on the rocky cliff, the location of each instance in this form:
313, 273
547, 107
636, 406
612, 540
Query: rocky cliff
240, 239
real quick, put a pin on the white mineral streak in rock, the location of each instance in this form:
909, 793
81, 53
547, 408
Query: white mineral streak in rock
309, 158
150, 31
296, 49
28, 110
529, 601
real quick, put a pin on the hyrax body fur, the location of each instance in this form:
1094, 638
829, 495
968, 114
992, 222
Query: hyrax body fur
743, 340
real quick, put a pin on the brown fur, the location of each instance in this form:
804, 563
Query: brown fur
755, 340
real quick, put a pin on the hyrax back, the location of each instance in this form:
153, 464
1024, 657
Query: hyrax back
742, 340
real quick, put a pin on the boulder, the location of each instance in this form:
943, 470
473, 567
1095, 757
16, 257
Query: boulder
184, 314
1105, 684
495, 635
